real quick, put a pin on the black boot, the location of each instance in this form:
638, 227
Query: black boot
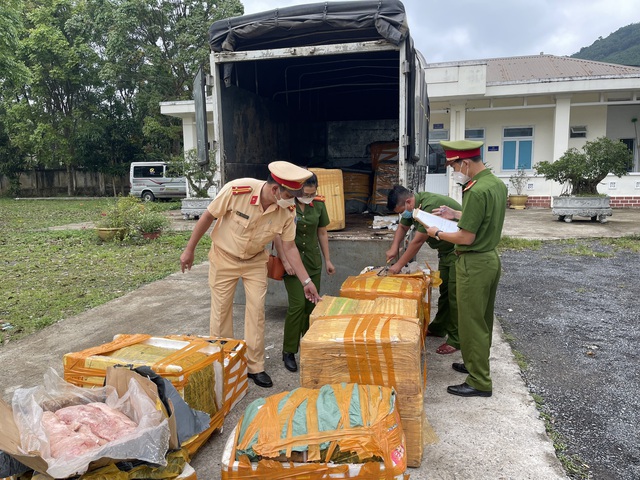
290, 361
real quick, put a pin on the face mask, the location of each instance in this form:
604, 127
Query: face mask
407, 214
460, 178
305, 200
282, 203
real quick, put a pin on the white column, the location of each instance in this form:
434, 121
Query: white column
561, 119
457, 124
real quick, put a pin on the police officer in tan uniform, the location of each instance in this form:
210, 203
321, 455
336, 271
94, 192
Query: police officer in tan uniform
250, 213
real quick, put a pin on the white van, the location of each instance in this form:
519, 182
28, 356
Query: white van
151, 180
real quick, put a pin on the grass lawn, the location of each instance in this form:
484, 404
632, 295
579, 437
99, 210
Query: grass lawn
48, 275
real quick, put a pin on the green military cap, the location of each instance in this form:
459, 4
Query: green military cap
460, 149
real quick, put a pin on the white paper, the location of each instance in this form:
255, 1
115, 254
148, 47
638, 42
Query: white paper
430, 220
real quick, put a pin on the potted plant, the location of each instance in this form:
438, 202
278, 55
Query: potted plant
518, 181
150, 223
580, 172
200, 179
117, 220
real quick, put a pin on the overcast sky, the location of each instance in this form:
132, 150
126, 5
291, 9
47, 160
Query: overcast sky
456, 30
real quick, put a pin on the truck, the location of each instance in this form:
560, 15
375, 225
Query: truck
333, 85
323, 85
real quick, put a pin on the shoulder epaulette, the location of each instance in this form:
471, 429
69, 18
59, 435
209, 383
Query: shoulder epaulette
241, 190
469, 185
319, 198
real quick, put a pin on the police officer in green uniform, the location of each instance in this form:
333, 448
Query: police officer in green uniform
311, 238
484, 202
403, 201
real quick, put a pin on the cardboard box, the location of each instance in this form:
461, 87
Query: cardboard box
329, 306
370, 286
331, 187
368, 349
418, 433
164, 437
193, 366
384, 162
235, 367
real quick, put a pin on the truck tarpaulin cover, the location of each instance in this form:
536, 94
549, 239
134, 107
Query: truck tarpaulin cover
313, 24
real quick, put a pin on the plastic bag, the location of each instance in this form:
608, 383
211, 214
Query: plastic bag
148, 442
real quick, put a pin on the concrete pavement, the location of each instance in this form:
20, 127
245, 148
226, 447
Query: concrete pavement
478, 438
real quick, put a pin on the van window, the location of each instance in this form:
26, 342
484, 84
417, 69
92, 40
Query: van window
147, 171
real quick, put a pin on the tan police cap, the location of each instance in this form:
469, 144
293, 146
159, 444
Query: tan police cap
460, 149
289, 175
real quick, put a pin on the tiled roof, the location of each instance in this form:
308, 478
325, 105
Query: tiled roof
540, 67
536, 68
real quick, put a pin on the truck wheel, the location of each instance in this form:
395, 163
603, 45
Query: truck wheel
148, 197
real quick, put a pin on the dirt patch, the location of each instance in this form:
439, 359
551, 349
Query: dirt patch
575, 318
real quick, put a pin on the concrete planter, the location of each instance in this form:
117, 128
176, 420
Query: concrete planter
566, 207
194, 207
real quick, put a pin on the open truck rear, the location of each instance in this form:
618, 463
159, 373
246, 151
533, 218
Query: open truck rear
326, 85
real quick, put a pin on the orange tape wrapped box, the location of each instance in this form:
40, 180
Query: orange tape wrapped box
235, 367
370, 286
340, 431
193, 365
369, 349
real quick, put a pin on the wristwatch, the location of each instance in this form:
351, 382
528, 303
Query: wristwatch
306, 282
436, 235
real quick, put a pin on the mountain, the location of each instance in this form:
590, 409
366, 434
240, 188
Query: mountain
621, 47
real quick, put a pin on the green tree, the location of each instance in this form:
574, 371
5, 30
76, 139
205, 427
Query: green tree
93, 74
582, 171
153, 51
12, 69
58, 101
12, 72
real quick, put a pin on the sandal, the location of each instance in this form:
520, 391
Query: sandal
446, 349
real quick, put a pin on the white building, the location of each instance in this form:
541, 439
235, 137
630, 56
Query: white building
533, 108
526, 110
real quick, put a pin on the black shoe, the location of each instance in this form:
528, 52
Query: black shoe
459, 367
261, 379
290, 361
464, 390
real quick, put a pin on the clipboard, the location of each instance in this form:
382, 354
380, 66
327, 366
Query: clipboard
430, 220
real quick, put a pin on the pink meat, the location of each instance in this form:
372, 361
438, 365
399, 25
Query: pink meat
102, 420
64, 441
74, 431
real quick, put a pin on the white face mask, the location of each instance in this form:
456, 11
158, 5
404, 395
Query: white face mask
282, 203
305, 200
459, 177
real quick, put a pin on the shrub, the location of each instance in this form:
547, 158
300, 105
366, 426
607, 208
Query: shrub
581, 172
121, 213
518, 181
150, 221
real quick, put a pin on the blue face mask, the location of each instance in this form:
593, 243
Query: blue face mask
407, 214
